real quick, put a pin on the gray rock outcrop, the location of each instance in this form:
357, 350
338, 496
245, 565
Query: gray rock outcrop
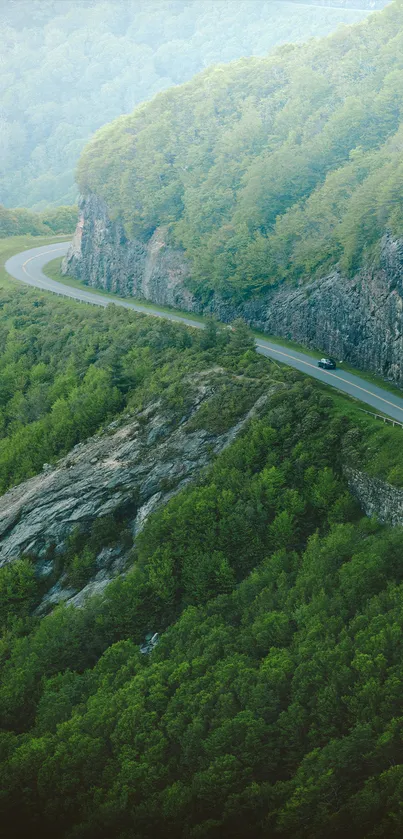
102, 256
376, 497
359, 319
133, 467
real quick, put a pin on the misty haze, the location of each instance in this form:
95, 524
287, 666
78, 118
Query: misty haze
201, 419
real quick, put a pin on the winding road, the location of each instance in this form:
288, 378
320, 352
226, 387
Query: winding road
28, 268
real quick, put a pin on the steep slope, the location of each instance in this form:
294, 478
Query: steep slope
271, 704
70, 66
357, 318
265, 171
130, 469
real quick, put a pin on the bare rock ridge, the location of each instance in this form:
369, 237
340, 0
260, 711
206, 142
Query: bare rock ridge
359, 319
133, 467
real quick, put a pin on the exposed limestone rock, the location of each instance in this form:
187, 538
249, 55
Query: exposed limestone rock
359, 320
128, 468
102, 256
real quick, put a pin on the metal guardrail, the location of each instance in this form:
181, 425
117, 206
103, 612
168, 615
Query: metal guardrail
382, 417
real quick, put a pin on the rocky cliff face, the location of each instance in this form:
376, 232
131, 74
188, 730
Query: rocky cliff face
102, 256
359, 320
376, 497
133, 467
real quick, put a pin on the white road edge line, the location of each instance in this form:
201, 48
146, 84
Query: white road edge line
182, 319
328, 373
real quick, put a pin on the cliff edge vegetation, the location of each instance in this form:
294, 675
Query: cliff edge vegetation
262, 580
267, 169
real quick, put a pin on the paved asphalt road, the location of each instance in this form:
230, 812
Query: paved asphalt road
27, 267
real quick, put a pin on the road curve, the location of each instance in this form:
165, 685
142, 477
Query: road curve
27, 267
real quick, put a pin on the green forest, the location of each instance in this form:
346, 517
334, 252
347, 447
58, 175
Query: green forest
66, 370
20, 222
70, 66
268, 168
271, 704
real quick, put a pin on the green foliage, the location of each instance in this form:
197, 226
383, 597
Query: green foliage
266, 169
67, 370
70, 66
20, 222
241, 340
271, 705
211, 333
60, 219
79, 559
230, 401
18, 592
373, 447
277, 677
81, 568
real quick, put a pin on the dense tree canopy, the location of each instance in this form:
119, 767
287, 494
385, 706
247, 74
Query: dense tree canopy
65, 370
271, 705
19, 222
267, 168
70, 66
272, 702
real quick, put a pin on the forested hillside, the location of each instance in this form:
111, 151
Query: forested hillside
272, 703
267, 168
70, 66
269, 705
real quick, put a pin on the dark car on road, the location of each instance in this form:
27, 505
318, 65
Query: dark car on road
327, 364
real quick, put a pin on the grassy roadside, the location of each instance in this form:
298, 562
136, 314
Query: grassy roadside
53, 271
385, 384
379, 447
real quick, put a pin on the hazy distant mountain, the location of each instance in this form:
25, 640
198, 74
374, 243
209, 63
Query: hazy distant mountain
268, 168
70, 66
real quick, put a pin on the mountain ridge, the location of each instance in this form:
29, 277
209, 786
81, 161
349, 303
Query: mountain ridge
70, 66
274, 187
